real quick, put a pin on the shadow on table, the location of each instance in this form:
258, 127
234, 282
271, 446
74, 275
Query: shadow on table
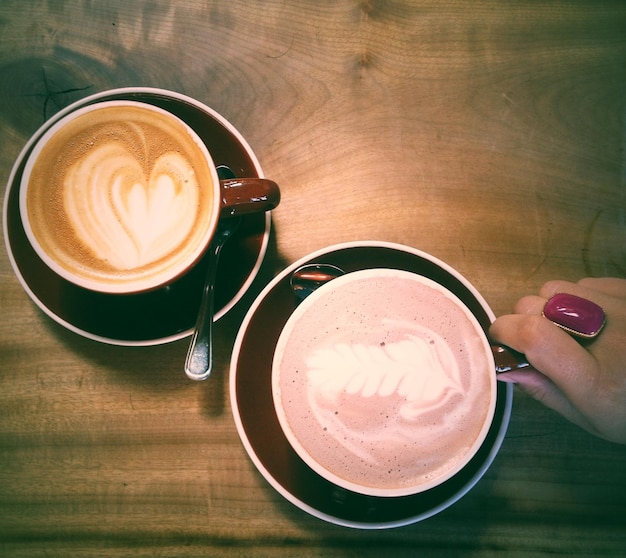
160, 367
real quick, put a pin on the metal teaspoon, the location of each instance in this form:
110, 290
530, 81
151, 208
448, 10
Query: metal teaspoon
200, 358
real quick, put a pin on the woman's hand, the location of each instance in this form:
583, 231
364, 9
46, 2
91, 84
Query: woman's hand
584, 381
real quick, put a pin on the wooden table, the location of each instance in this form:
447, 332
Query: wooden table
488, 133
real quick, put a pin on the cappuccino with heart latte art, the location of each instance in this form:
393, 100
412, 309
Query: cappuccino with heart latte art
120, 197
384, 382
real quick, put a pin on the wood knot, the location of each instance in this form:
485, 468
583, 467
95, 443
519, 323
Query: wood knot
364, 60
366, 6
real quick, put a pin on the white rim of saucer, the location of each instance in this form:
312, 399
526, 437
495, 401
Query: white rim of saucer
506, 415
92, 98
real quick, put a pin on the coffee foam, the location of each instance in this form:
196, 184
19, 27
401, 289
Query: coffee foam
372, 377
121, 194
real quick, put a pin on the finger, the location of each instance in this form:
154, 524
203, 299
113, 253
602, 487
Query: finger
582, 290
611, 286
530, 305
552, 351
549, 289
545, 391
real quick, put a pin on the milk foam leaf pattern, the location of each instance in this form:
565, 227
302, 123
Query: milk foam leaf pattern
422, 373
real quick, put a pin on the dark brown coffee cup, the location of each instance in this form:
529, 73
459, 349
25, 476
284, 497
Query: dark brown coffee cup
121, 196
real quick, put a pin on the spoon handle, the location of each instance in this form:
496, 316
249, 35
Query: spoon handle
199, 361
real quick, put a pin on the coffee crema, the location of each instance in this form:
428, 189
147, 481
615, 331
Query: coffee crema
121, 196
384, 382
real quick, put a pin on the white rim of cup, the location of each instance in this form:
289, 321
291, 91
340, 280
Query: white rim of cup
329, 475
268, 473
136, 286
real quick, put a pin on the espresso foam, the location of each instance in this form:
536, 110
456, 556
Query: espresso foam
385, 381
122, 193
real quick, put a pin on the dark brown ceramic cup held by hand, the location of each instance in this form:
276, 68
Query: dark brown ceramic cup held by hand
383, 382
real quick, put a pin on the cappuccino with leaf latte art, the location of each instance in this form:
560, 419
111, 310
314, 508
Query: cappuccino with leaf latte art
120, 197
384, 382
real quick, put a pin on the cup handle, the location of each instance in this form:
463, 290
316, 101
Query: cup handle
241, 196
507, 359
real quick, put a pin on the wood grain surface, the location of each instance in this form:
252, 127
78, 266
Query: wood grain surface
489, 133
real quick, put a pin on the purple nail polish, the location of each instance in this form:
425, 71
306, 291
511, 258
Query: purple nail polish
575, 314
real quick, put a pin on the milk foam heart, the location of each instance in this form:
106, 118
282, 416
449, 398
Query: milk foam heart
125, 218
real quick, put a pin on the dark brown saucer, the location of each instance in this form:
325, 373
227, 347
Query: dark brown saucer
161, 315
258, 426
